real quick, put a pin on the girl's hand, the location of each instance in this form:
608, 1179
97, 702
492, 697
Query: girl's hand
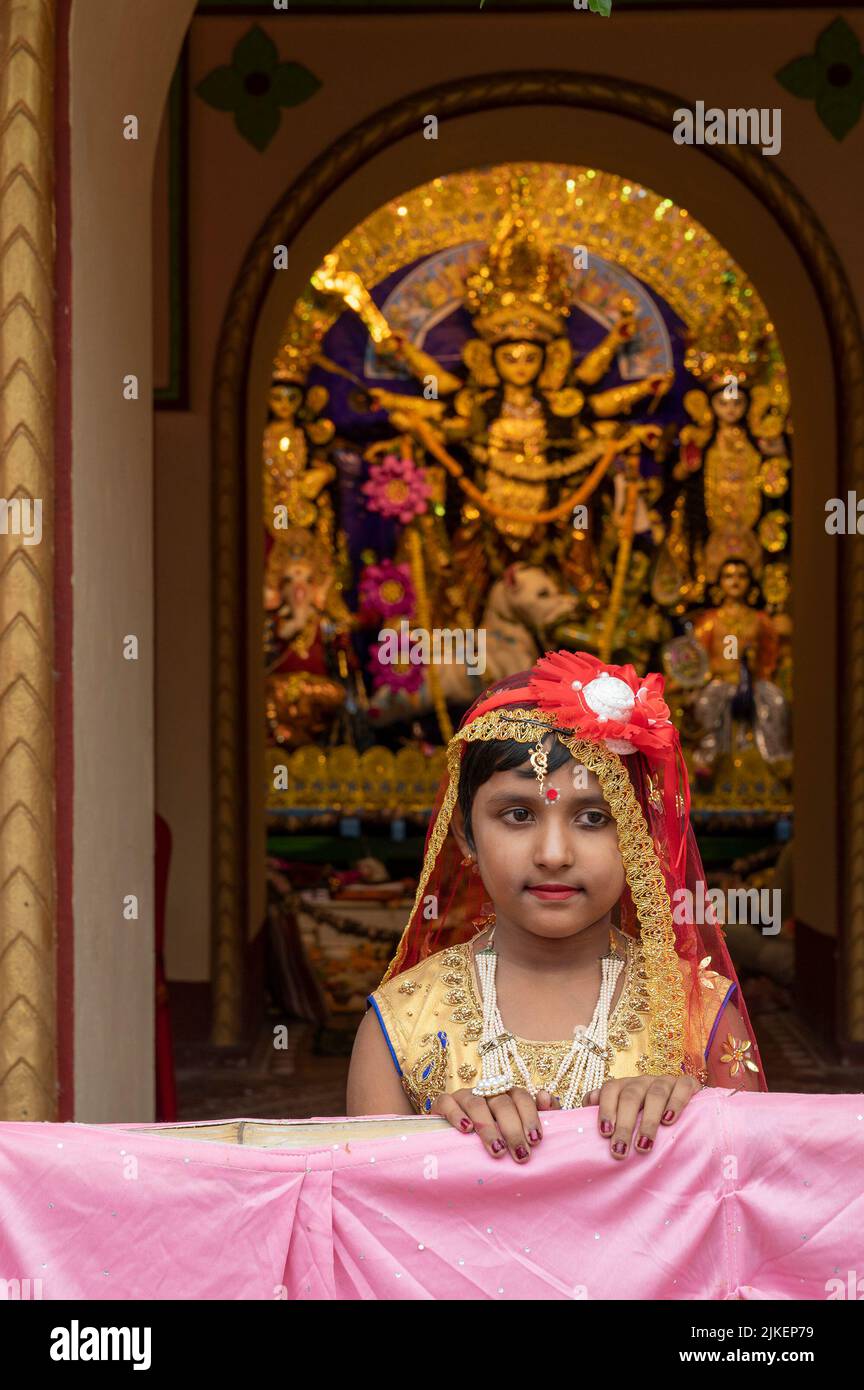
510, 1121
660, 1099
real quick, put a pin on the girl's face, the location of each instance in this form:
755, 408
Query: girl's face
527, 848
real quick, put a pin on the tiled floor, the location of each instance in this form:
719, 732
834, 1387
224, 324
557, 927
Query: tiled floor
264, 1082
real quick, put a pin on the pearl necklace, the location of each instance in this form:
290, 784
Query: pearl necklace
589, 1052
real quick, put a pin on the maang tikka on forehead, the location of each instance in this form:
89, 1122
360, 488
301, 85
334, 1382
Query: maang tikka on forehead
539, 759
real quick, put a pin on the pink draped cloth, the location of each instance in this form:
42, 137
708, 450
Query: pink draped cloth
747, 1196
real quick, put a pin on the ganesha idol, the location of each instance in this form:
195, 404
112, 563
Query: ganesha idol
306, 625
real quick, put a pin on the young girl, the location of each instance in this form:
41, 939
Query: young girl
561, 950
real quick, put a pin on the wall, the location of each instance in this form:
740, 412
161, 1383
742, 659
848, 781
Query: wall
121, 56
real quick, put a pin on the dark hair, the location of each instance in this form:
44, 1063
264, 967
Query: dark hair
736, 560
481, 760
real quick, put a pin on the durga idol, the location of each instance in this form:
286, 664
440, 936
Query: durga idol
523, 415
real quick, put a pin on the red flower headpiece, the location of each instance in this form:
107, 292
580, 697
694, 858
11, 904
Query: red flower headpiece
609, 703
612, 705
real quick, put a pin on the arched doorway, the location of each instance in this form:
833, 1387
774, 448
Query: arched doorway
769, 229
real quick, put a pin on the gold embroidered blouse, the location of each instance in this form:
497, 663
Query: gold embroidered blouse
431, 1016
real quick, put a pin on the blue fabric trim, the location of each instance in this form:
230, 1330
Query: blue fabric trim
717, 1019
372, 1001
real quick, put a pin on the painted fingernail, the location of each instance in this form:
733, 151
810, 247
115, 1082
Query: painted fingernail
619, 1147
521, 1152
668, 1115
534, 1136
497, 1145
464, 1124
606, 1127
643, 1142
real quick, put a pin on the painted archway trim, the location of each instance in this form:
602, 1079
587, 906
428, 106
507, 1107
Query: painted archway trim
467, 96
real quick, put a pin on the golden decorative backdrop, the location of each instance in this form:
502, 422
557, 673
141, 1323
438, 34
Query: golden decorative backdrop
610, 216
27, 894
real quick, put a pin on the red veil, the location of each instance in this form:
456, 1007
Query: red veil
618, 725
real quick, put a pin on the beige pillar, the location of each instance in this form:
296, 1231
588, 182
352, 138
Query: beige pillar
122, 56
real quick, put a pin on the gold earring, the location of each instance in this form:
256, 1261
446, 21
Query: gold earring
469, 859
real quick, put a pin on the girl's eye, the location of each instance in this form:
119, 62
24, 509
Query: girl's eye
596, 819
522, 814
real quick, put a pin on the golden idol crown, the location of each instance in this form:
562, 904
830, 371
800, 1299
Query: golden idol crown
295, 545
295, 358
521, 290
726, 350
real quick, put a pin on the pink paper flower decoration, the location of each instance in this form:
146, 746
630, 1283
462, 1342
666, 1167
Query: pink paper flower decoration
386, 589
397, 487
408, 678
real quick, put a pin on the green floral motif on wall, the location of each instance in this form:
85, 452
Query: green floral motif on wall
832, 76
256, 86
